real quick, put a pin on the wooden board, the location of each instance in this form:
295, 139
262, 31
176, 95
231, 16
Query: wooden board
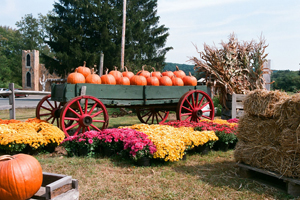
123, 94
237, 105
57, 187
289, 185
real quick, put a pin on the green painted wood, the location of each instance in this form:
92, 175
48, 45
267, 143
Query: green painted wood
123, 95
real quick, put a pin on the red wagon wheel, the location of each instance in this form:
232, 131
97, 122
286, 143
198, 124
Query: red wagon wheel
194, 106
87, 116
151, 115
48, 110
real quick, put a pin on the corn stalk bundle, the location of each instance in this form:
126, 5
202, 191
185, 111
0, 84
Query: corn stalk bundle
234, 68
262, 103
289, 112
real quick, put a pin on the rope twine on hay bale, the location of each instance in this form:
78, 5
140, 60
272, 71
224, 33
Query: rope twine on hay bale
269, 132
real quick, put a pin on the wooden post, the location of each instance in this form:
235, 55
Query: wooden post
123, 35
101, 64
233, 107
12, 110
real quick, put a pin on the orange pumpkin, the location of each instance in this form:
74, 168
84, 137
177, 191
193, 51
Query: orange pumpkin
179, 73
138, 80
190, 80
165, 81
177, 81
108, 79
75, 77
93, 78
170, 74
21, 176
143, 72
127, 73
152, 80
116, 73
85, 71
123, 81
156, 73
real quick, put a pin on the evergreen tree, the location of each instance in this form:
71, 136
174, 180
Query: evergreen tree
81, 30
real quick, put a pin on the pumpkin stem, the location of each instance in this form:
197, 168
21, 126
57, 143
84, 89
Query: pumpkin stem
6, 157
190, 73
84, 63
177, 68
116, 69
92, 71
153, 69
126, 69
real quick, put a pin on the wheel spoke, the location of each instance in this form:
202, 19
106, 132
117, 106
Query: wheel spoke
83, 129
46, 108
146, 114
159, 116
201, 101
55, 103
96, 120
193, 101
148, 118
197, 99
89, 128
156, 116
204, 105
186, 114
79, 107
50, 104
45, 114
189, 103
206, 117
57, 122
92, 125
97, 113
77, 130
187, 109
49, 118
53, 120
71, 118
93, 107
85, 106
73, 111
72, 126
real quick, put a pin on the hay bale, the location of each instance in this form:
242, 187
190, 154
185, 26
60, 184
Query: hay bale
289, 112
290, 141
262, 102
254, 129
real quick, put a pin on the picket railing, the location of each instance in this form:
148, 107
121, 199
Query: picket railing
12, 92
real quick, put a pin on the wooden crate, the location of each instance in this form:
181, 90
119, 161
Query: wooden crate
57, 187
289, 185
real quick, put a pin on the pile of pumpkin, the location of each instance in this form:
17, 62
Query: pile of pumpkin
84, 74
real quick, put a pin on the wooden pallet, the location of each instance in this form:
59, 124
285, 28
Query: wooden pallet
289, 185
57, 187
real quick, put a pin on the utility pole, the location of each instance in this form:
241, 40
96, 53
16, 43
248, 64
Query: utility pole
123, 35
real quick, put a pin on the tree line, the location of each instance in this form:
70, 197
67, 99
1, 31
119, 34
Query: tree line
78, 31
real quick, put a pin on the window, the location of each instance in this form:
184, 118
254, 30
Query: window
28, 60
28, 79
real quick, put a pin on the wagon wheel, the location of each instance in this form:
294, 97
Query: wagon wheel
48, 110
87, 116
194, 106
151, 115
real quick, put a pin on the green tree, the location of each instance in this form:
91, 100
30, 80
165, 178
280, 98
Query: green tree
81, 30
11, 46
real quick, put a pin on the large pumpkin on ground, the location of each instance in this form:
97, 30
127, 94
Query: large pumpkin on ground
75, 77
21, 176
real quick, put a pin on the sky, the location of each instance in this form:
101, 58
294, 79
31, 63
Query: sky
193, 23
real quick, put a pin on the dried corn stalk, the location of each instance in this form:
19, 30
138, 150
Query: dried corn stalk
234, 68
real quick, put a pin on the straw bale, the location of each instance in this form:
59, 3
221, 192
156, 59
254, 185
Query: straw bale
258, 130
270, 158
289, 112
261, 102
290, 141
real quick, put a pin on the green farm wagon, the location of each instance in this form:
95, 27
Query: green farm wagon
77, 108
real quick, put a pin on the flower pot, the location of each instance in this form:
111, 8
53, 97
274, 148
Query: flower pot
202, 149
144, 161
184, 157
223, 146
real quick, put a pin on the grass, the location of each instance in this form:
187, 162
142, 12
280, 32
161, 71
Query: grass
212, 176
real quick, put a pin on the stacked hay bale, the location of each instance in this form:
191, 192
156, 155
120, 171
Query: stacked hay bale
269, 132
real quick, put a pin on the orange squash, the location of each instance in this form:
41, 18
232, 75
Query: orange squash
170, 74
153, 80
116, 73
190, 80
176, 81
21, 176
85, 71
138, 80
165, 81
108, 79
123, 81
143, 72
127, 73
156, 73
93, 78
75, 77
179, 73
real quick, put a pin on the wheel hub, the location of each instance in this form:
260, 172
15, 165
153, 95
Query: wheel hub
85, 120
197, 112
